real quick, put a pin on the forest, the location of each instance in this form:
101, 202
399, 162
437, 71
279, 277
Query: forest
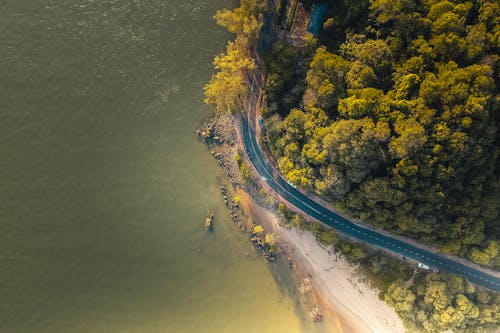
392, 118
391, 114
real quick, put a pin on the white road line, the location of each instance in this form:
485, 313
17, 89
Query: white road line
285, 191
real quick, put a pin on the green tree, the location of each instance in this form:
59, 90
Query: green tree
245, 21
411, 137
325, 77
228, 89
400, 297
484, 256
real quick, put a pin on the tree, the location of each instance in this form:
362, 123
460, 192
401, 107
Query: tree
411, 137
407, 109
226, 91
363, 102
228, 88
325, 77
484, 256
245, 21
374, 53
400, 297
328, 237
258, 229
360, 76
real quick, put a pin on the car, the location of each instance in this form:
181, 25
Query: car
260, 120
423, 266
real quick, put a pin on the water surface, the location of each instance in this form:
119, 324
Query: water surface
104, 185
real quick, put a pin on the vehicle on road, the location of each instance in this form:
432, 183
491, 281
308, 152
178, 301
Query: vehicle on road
344, 226
424, 266
260, 120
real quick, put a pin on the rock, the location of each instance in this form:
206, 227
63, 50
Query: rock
316, 314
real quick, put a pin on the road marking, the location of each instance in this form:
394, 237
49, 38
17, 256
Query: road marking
263, 167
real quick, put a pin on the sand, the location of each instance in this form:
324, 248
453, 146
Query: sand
333, 282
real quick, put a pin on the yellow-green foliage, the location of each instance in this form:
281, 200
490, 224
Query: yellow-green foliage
437, 303
398, 123
269, 239
244, 21
258, 229
237, 199
398, 126
245, 173
228, 88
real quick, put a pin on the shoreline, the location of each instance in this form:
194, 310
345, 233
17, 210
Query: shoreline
334, 284
321, 279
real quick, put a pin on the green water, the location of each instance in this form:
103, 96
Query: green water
104, 184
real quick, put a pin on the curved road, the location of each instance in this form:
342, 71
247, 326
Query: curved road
374, 238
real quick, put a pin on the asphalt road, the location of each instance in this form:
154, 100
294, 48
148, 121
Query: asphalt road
350, 229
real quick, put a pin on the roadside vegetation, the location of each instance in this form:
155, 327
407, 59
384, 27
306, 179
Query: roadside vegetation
391, 114
427, 302
228, 89
397, 124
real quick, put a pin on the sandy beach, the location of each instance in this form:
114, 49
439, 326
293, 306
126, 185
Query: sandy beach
333, 282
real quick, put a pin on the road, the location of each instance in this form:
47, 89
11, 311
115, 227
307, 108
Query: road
321, 213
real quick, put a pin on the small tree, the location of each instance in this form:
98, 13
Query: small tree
258, 229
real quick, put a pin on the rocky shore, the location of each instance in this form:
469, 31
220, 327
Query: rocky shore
218, 133
326, 289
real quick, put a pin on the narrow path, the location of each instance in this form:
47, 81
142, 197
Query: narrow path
353, 230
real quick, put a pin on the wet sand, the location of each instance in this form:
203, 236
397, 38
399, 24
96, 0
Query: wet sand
330, 281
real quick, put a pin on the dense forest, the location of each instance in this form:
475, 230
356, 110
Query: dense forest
390, 113
391, 116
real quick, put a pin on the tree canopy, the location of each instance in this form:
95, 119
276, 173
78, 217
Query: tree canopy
228, 88
391, 114
437, 303
398, 125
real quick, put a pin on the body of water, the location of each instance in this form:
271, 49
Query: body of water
104, 184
